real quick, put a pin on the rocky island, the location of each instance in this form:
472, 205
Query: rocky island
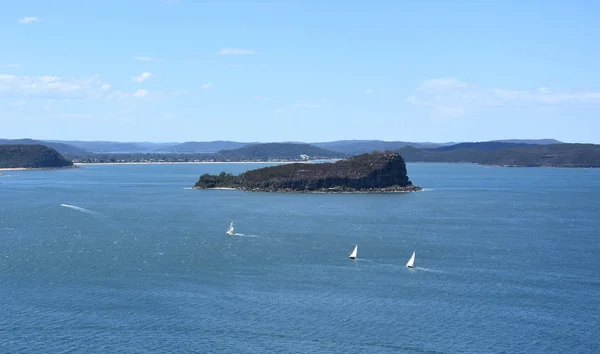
376, 172
31, 156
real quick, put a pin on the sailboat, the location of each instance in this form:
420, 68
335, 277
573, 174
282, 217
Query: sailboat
411, 261
230, 229
353, 254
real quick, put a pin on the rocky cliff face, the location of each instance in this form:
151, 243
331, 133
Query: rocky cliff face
367, 172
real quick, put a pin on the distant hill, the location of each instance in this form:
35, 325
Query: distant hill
483, 146
207, 146
279, 151
62, 148
557, 155
357, 147
31, 156
531, 141
119, 147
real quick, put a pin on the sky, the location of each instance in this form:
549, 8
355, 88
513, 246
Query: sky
299, 70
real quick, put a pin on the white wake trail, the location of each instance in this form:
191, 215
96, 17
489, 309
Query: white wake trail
83, 210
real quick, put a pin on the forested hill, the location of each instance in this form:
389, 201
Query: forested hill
557, 155
31, 156
64, 149
377, 172
279, 151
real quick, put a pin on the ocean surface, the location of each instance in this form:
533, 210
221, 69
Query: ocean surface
127, 258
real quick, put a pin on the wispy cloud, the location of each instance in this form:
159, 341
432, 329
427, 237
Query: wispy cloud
141, 93
105, 87
147, 59
260, 98
28, 20
235, 51
208, 86
452, 97
13, 66
279, 111
371, 91
142, 77
172, 1
46, 86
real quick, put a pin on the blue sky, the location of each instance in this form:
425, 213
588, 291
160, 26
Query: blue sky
310, 70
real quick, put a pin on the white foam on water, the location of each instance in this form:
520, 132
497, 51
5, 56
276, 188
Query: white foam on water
244, 235
429, 270
83, 210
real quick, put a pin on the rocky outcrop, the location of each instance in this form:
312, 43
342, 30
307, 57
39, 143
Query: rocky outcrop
377, 172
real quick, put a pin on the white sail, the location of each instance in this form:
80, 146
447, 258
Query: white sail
230, 229
411, 261
353, 254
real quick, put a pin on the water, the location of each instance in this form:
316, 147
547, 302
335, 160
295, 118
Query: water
132, 261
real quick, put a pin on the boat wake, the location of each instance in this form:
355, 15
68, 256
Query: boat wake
430, 270
244, 235
83, 210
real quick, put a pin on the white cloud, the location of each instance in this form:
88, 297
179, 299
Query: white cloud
13, 66
235, 51
260, 98
105, 87
141, 93
49, 105
147, 59
452, 97
46, 86
208, 86
279, 111
371, 91
142, 77
27, 20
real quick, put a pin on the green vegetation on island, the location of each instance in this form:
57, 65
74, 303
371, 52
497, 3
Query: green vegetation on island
31, 156
377, 172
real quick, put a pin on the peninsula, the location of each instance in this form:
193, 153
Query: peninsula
376, 172
31, 157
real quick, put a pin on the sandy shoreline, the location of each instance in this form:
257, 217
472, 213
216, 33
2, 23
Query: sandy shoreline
36, 168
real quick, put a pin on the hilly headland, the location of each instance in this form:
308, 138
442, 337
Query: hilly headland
376, 172
31, 157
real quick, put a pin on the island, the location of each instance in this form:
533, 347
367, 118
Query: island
34, 156
369, 173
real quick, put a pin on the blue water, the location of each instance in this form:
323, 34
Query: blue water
508, 260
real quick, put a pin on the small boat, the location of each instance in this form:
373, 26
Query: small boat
411, 261
230, 229
353, 254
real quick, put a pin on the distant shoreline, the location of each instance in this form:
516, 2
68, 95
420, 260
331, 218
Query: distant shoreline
184, 163
37, 168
